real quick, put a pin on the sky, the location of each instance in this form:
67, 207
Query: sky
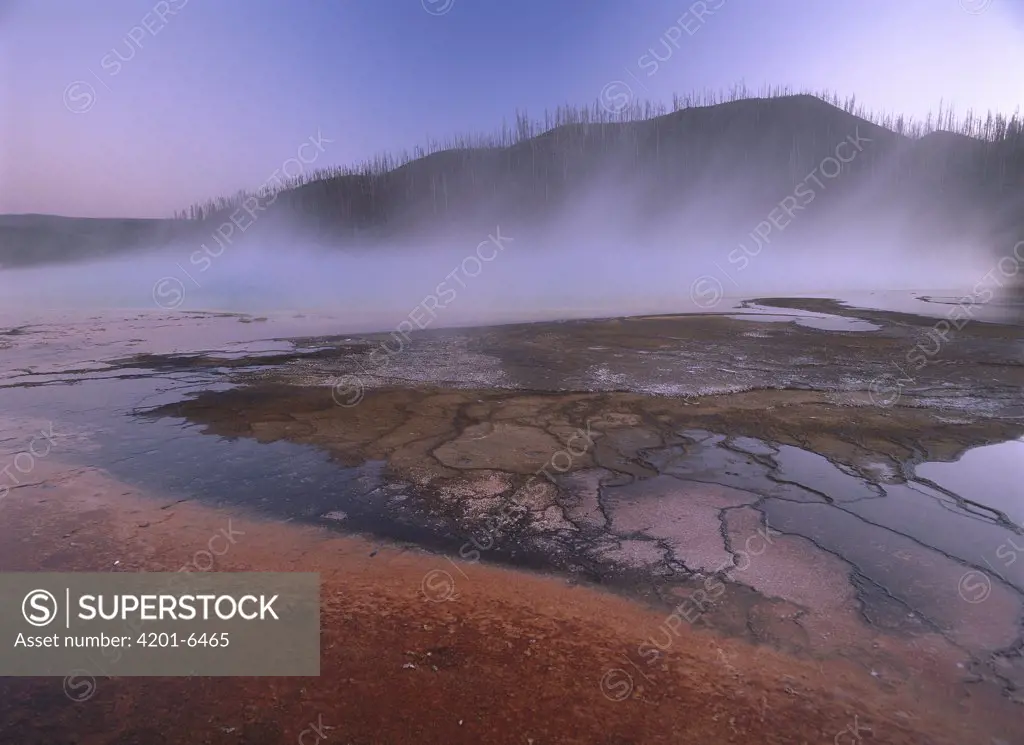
137, 108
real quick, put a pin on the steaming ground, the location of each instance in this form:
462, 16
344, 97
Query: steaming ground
888, 553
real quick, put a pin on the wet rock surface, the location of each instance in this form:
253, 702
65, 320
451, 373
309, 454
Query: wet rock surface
509, 657
640, 493
768, 480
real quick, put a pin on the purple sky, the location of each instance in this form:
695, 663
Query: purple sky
138, 107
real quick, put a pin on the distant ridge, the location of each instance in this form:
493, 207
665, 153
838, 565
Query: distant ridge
749, 151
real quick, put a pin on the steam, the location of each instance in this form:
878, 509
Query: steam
621, 247
591, 262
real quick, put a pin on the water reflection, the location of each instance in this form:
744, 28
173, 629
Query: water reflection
992, 475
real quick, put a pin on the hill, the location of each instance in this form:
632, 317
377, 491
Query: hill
729, 163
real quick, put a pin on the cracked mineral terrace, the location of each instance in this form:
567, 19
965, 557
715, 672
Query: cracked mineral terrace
780, 475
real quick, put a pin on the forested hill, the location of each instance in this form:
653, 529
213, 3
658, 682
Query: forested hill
736, 160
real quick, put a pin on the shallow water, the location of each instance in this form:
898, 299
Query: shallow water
800, 492
992, 475
104, 423
821, 321
876, 544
